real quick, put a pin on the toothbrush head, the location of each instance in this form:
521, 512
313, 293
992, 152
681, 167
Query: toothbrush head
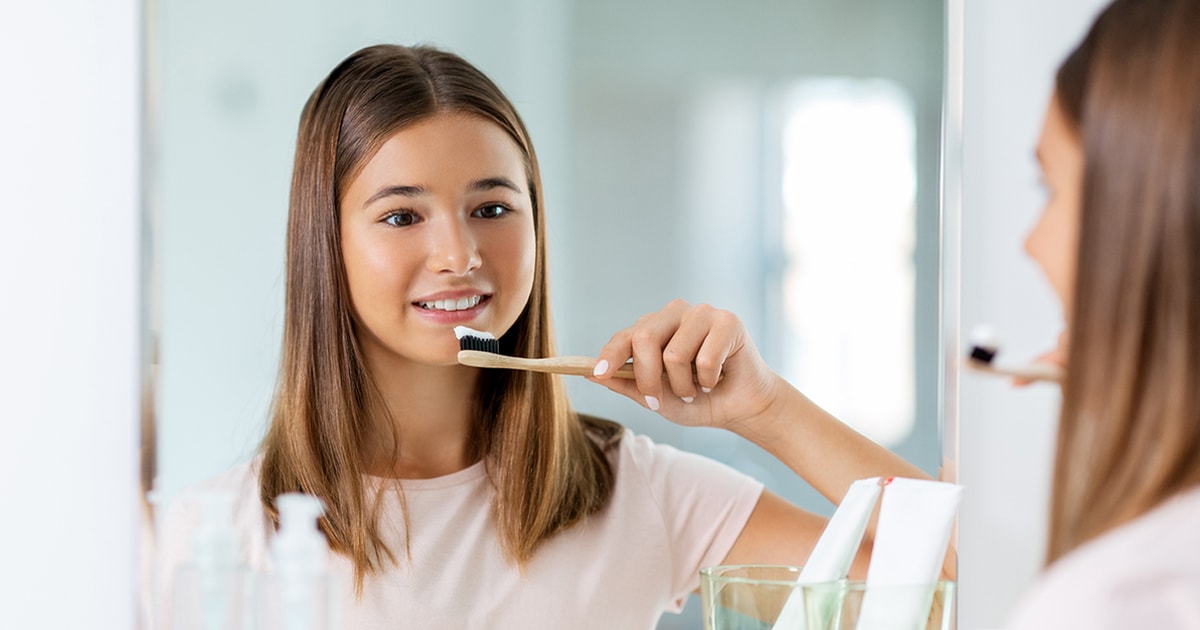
470, 339
983, 344
983, 350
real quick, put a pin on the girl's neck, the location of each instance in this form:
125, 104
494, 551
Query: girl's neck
429, 413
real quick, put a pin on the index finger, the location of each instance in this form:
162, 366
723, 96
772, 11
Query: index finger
614, 354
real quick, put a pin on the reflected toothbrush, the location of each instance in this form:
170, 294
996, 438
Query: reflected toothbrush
983, 351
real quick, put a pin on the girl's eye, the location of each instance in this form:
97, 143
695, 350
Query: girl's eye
492, 211
400, 219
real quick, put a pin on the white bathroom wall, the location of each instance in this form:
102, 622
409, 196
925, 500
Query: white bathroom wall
1005, 435
70, 324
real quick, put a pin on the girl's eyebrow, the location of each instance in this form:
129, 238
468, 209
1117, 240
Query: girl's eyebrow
479, 185
395, 191
489, 183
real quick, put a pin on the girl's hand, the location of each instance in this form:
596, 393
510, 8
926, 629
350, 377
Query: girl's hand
1057, 357
695, 365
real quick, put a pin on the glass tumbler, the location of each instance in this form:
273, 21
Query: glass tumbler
853, 605
747, 596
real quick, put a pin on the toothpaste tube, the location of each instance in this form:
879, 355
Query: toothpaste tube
834, 552
916, 518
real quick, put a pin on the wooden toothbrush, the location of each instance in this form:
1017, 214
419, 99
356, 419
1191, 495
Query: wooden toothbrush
1043, 372
481, 349
984, 349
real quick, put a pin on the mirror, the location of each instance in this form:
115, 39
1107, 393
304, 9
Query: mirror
778, 159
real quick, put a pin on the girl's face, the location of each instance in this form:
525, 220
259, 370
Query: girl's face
1054, 241
437, 231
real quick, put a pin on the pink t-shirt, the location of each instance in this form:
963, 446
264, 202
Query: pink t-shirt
671, 513
1144, 574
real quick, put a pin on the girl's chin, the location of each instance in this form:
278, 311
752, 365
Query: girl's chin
406, 358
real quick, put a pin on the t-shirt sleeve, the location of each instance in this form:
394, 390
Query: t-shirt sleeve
1171, 602
704, 505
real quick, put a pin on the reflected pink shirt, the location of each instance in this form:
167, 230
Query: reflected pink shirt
1144, 574
671, 513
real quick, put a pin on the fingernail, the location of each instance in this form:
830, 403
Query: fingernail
652, 403
687, 399
600, 368
706, 389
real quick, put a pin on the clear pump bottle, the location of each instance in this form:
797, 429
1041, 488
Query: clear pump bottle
212, 591
298, 593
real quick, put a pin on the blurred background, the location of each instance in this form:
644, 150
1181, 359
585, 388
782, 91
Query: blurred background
774, 158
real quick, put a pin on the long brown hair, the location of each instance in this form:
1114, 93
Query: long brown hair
548, 464
1129, 431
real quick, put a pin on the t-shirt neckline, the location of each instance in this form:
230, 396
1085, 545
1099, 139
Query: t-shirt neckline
459, 477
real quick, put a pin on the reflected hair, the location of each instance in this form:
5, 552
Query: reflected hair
548, 465
1129, 430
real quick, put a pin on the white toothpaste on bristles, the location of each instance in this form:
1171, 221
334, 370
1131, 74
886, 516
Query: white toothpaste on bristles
470, 339
984, 344
462, 331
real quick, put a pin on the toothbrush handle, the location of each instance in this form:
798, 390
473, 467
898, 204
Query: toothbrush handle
1033, 371
580, 366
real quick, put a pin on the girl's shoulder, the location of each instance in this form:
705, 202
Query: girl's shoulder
235, 490
238, 485
672, 473
1134, 573
1159, 542
236, 478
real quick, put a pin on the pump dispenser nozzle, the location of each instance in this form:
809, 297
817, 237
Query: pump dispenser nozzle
299, 548
300, 589
215, 541
209, 592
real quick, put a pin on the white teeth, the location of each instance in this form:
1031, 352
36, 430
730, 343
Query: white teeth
452, 305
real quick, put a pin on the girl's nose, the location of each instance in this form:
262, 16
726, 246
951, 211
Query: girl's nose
453, 249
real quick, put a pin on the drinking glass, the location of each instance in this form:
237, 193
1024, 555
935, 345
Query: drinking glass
854, 605
748, 596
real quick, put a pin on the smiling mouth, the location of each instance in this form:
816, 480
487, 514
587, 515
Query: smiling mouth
460, 304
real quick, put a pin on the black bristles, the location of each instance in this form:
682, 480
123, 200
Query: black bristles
471, 342
983, 354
